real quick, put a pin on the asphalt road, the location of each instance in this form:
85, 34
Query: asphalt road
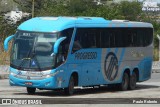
147, 89
144, 89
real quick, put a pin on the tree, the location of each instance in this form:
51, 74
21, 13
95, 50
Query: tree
6, 5
130, 10
26, 5
79, 6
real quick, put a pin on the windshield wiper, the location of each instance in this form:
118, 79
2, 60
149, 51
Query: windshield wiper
31, 55
26, 58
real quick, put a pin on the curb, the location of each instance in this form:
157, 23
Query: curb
155, 70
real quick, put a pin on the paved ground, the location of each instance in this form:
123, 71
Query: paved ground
148, 89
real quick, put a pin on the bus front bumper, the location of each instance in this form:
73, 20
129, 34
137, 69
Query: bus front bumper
47, 83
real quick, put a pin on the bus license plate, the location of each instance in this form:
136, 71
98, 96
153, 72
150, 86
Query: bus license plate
28, 83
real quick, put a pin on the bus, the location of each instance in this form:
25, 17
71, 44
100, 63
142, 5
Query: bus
64, 52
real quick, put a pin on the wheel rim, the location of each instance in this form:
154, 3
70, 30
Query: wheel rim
133, 81
125, 81
71, 85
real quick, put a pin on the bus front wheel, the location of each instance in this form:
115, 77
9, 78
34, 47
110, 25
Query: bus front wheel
132, 81
125, 82
70, 89
31, 90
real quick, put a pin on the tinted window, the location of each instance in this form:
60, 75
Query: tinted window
114, 37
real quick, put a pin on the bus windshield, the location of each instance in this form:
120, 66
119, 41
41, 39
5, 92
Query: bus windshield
33, 51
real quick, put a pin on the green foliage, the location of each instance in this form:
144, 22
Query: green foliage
6, 30
53, 10
6, 5
76, 7
130, 10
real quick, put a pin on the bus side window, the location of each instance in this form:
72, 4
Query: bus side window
112, 39
104, 39
91, 38
148, 36
128, 39
66, 43
78, 40
76, 45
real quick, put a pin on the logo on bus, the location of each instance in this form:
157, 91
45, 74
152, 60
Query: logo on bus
111, 66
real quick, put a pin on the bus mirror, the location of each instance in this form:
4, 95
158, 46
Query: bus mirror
57, 43
6, 42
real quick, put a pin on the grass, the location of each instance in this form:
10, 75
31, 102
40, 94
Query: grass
156, 54
4, 56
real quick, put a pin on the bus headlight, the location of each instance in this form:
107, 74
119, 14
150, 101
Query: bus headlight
51, 75
48, 76
13, 74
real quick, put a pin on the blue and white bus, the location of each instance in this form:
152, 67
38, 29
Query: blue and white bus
64, 52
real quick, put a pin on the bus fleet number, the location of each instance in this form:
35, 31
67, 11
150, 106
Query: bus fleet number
85, 55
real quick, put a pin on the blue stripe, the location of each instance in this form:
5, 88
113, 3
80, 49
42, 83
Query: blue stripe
122, 55
116, 51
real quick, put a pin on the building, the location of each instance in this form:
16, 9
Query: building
13, 17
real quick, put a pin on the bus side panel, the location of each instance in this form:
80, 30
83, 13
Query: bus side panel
74, 68
110, 64
143, 61
128, 58
145, 68
62, 76
113, 64
89, 71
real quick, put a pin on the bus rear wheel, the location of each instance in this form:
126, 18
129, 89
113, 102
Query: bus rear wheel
125, 82
31, 91
70, 89
132, 81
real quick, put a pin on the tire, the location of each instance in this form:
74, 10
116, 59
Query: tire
125, 82
70, 89
31, 91
132, 81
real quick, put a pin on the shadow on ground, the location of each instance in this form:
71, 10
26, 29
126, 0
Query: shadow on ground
85, 91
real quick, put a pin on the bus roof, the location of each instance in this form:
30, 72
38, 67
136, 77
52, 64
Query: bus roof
54, 24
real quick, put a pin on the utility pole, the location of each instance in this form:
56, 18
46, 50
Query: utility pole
159, 46
32, 8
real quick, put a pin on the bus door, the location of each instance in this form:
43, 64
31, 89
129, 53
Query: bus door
85, 53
